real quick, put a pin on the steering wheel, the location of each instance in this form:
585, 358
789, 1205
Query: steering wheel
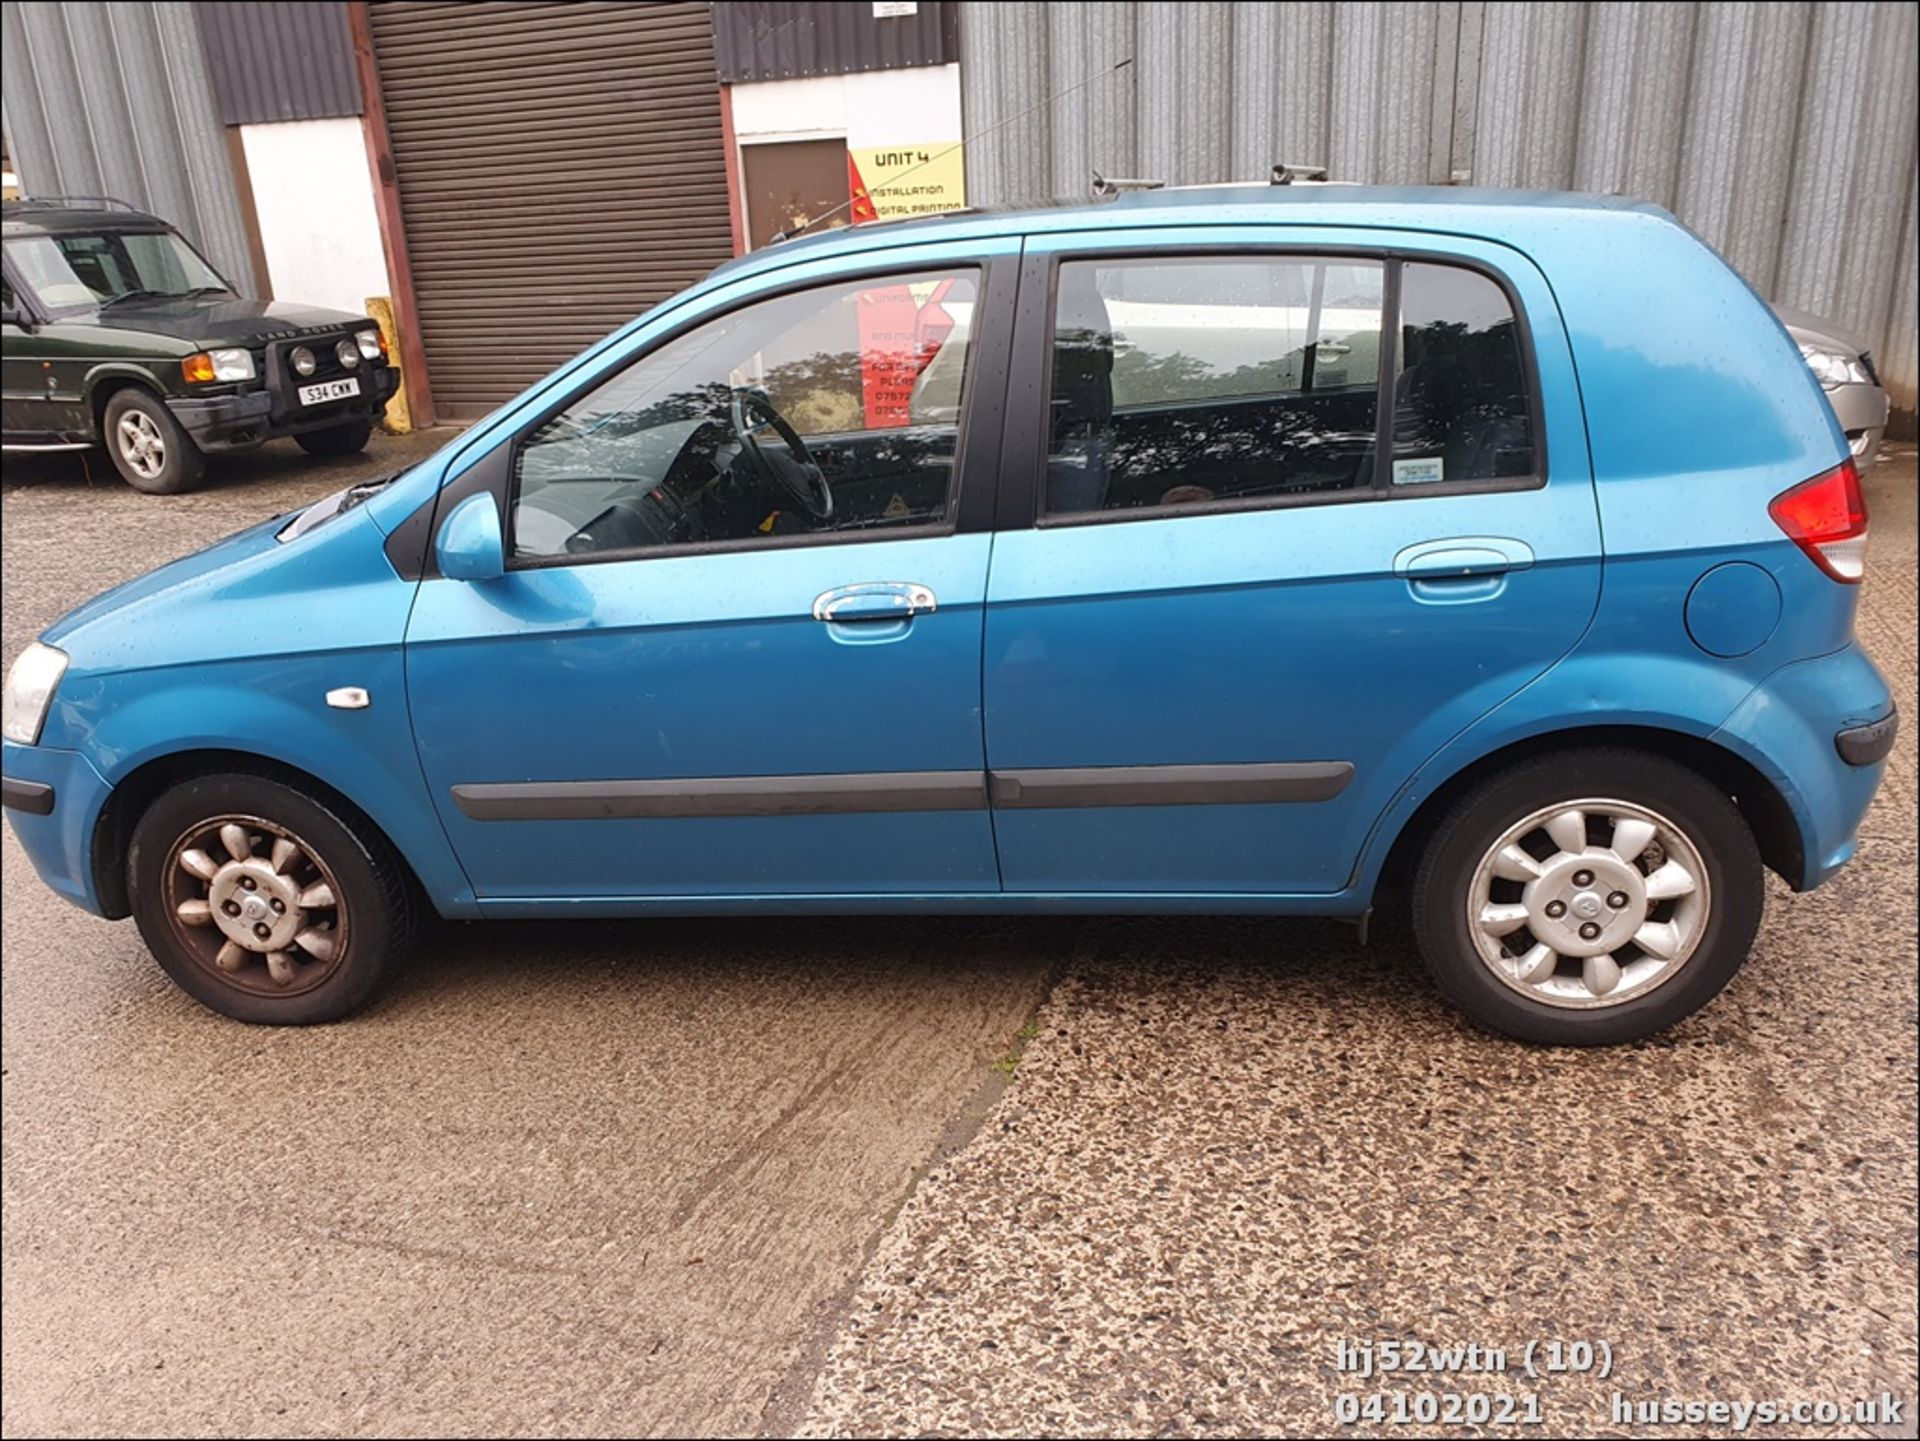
809, 487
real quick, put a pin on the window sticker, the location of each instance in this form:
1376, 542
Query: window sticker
1423, 470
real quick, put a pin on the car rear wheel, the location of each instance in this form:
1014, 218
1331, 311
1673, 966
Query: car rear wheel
150, 449
344, 439
263, 901
1588, 898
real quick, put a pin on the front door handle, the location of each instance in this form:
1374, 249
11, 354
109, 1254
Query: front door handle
874, 600
1456, 562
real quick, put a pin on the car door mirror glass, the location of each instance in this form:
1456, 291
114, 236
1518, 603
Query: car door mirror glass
469, 546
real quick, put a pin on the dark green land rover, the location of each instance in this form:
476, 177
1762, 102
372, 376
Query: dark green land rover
117, 333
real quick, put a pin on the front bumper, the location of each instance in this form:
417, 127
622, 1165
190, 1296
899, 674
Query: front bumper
247, 417
1792, 726
59, 838
1862, 413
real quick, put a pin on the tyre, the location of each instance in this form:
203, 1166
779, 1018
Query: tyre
1588, 898
150, 449
343, 439
264, 902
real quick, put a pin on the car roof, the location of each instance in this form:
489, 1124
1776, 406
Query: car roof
1502, 215
29, 217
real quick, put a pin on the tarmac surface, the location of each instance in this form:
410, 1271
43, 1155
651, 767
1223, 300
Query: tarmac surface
1130, 1175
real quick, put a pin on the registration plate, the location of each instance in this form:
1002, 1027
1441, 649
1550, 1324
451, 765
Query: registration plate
327, 390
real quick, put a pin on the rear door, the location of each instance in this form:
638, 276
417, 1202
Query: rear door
1284, 509
31, 405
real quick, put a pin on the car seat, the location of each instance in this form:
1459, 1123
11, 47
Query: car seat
1080, 426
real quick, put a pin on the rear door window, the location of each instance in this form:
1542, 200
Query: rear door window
1182, 382
1267, 378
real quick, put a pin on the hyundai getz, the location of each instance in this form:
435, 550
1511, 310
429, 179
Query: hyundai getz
1261, 551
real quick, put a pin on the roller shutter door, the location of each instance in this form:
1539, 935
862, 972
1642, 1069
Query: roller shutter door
561, 168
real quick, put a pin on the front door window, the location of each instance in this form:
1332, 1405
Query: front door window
829, 412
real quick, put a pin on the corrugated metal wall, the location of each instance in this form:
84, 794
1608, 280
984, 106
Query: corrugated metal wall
114, 99
1784, 133
787, 39
274, 60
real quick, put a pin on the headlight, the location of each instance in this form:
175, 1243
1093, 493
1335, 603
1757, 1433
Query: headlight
29, 691
372, 343
302, 359
232, 364
207, 365
348, 352
1834, 368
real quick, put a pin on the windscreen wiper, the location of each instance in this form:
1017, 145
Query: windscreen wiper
136, 295
327, 507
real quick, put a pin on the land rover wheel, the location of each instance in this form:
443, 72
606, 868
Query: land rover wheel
346, 438
150, 449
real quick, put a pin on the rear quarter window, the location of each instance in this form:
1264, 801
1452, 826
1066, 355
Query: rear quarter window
1462, 402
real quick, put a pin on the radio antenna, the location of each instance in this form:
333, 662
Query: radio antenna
804, 226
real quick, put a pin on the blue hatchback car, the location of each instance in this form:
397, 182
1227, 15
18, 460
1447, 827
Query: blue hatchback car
1252, 550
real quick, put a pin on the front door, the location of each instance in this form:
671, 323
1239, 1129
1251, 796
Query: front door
737, 648
1294, 526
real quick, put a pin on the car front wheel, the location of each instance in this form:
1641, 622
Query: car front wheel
263, 901
1588, 897
347, 438
150, 449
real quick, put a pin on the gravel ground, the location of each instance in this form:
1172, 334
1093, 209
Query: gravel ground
1231, 1146
602, 1179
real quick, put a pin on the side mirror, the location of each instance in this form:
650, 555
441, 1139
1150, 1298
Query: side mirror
14, 315
469, 546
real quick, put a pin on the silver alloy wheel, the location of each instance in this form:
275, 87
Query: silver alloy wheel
1589, 903
142, 445
252, 902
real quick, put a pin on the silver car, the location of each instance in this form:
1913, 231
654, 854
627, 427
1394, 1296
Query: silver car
1840, 362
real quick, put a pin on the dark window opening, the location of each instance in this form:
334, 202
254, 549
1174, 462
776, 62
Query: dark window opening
1461, 409
1250, 378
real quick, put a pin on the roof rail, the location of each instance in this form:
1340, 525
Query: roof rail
1286, 172
1107, 186
72, 202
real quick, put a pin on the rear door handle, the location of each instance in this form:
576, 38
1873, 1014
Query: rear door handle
1462, 558
874, 600
1467, 568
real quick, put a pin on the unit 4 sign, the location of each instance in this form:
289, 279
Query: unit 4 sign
894, 182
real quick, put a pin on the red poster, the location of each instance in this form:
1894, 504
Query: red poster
857, 188
889, 356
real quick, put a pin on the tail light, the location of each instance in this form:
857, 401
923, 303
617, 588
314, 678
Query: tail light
1827, 518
